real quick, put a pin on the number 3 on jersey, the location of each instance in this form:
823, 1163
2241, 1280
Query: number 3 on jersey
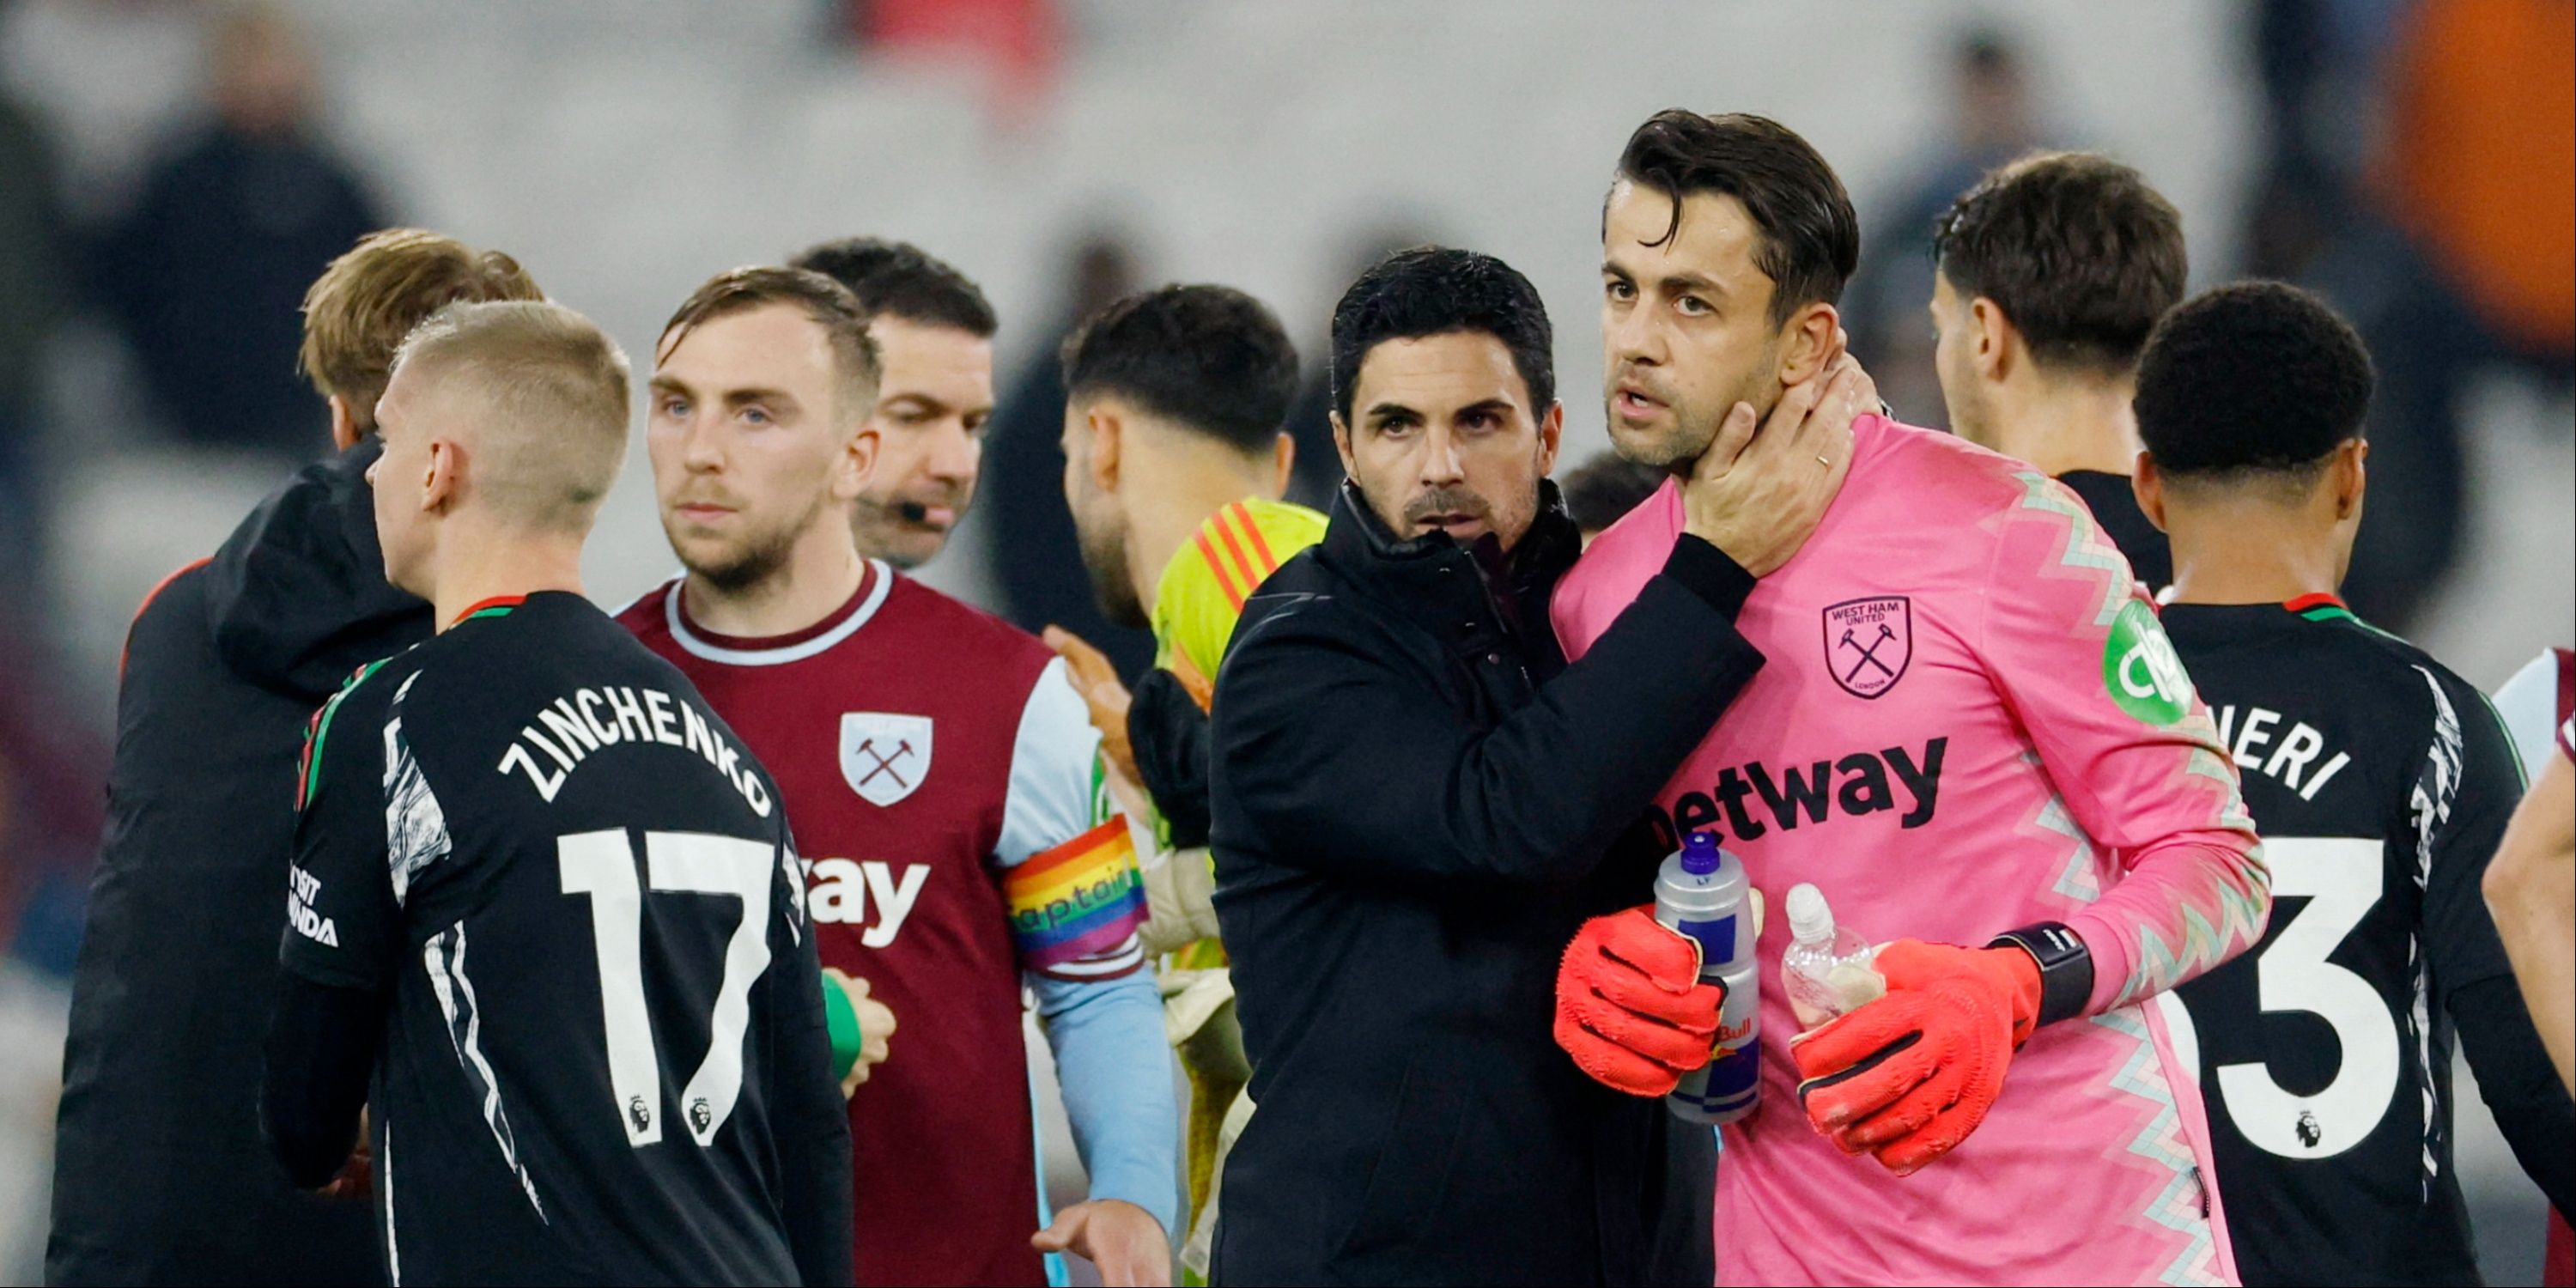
2341, 877
602, 866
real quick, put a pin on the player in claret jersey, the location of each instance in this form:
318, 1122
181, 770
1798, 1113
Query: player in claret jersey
2383, 782
542, 899
2535, 705
943, 779
1971, 731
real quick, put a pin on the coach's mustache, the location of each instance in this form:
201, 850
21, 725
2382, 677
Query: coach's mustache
1447, 500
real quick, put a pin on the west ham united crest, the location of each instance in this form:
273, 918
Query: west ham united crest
1868, 642
884, 756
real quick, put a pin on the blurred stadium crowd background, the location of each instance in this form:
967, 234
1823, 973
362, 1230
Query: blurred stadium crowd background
173, 173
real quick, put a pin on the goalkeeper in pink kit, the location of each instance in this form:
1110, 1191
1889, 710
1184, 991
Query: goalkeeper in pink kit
1972, 737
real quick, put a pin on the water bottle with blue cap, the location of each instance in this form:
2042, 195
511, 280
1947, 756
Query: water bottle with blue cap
1701, 892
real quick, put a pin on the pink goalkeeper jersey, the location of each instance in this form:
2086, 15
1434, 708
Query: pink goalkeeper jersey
1969, 721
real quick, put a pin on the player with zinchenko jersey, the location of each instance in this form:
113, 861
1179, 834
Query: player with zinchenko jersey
1971, 731
942, 777
2383, 782
544, 917
223, 668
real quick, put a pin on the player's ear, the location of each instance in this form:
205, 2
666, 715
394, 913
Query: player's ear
1551, 432
1108, 435
1342, 445
1809, 344
2149, 485
1994, 336
443, 475
2351, 476
858, 462
344, 425
1283, 463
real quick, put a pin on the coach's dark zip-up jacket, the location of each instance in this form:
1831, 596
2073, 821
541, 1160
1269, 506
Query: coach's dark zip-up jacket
1416, 803
160, 1174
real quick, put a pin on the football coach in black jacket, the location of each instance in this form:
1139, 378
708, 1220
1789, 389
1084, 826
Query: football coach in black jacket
160, 1174
1416, 801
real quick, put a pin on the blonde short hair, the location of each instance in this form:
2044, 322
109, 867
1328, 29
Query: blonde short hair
362, 306
549, 391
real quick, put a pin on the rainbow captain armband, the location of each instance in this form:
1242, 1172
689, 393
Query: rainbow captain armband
1081, 898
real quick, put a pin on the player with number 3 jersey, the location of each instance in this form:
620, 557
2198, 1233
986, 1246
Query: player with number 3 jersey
2383, 782
544, 917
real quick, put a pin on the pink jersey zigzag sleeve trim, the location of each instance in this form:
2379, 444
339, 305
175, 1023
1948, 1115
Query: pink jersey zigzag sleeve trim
2194, 890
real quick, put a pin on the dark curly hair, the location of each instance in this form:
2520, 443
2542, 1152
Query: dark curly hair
2248, 380
1210, 358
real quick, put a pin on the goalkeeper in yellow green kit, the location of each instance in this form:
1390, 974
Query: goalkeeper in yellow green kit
1174, 458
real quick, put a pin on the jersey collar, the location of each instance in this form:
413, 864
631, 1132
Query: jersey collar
2320, 607
496, 606
778, 650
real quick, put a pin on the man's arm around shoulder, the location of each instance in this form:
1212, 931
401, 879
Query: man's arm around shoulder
1341, 760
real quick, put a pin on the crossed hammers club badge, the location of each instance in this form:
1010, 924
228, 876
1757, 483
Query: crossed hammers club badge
1868, 643
884, 756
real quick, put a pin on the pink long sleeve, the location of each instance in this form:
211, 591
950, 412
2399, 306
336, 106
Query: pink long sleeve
2074, 647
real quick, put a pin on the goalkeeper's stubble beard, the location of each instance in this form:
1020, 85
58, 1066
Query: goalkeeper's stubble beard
1695, 424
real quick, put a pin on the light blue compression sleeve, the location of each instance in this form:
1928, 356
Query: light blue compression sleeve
1116, 1072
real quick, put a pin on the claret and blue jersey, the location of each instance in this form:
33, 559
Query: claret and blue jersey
943, 779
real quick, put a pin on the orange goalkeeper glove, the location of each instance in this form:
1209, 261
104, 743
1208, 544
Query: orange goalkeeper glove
1630, 1007
1909, 1076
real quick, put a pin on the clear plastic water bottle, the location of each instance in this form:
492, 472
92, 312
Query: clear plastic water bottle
1700, 892
1827, 969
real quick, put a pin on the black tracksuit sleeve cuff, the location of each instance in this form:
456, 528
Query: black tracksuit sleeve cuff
1169, 737
1709, 573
